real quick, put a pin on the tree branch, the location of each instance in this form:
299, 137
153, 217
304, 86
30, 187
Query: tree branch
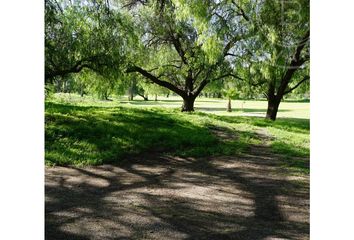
297, 85
156, 80
295, 64
76, 68
241, 11
197, 91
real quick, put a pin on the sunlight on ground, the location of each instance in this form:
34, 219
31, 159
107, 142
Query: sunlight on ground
208, 105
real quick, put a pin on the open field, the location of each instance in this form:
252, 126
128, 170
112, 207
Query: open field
207, 105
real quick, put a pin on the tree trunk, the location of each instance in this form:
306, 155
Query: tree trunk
106, 96
273, 105
229, 109
155, 97
188, 104
130, 96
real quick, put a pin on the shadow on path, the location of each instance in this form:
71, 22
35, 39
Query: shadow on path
166, 197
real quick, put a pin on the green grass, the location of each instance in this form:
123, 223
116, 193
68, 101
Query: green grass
91, 132
287, 109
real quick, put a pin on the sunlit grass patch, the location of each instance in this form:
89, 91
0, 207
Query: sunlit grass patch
86, 133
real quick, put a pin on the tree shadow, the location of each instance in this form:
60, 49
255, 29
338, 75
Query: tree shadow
151, 196
245, 110
76, 134
296, 125
165, 101
167, 197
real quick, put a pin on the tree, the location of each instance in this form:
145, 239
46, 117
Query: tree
185, 47
278, 57
185, 52
84, 35
230, 92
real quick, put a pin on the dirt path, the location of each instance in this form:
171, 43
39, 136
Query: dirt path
245, 197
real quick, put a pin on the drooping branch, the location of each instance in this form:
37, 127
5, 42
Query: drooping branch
49, 75
156, 80
89, 62
297, 85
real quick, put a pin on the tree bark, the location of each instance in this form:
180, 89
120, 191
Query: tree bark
188, 104
272, 110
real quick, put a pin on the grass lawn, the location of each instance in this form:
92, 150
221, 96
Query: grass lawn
92, 132
207, 105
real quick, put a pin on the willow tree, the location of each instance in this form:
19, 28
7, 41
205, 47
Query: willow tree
85, 35
278, 56
189, 45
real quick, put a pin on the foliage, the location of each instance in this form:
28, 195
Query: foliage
188, 45
85, 34
240, 48
278, 56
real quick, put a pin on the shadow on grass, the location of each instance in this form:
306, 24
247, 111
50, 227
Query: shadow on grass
82, 135
295, 159
164, 102
246, 110
93, 135
96, 135
295, 125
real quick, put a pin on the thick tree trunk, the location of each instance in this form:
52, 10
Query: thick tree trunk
188, 104
229, 109
273, 105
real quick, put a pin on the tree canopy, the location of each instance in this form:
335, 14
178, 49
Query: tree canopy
257, 47
85, 34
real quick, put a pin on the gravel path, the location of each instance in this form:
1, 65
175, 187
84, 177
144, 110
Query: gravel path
166, 197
